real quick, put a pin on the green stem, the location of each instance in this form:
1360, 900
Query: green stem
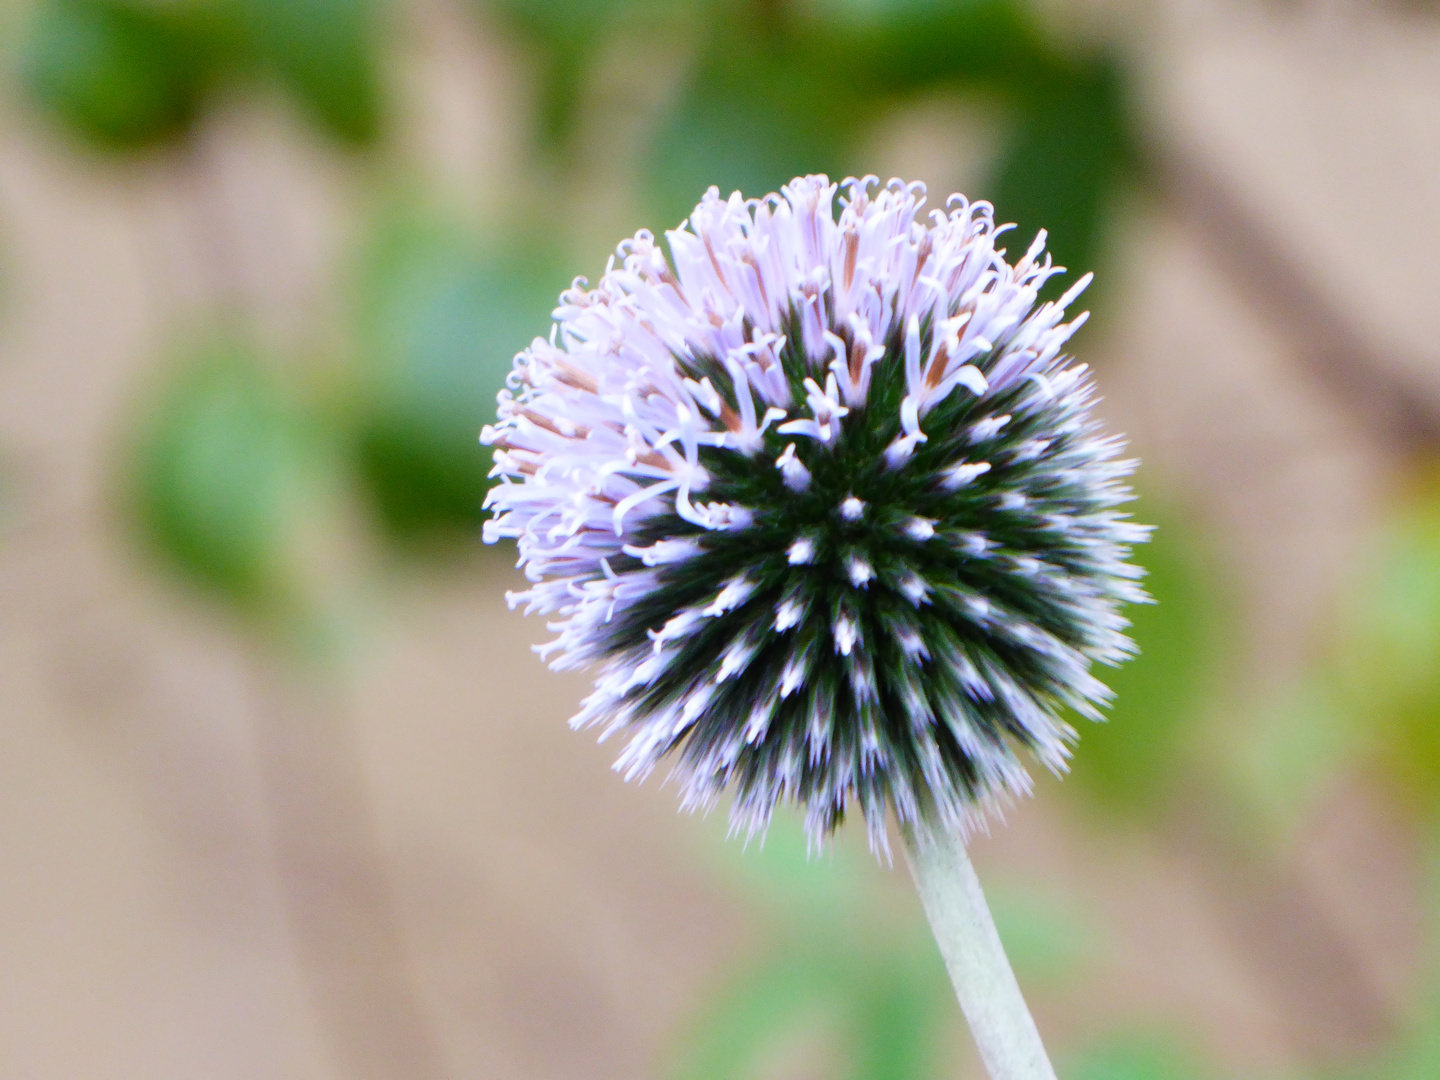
989, 995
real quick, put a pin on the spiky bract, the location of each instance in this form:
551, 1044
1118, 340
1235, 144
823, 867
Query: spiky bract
825, 503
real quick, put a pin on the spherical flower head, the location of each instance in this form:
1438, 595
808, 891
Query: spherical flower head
825, 503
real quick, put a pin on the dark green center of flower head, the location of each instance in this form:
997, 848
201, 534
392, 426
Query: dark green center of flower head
890, 631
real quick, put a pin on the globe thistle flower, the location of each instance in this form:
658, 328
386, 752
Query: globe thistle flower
826, 503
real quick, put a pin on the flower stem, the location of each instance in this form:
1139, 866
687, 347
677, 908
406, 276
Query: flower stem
989, 995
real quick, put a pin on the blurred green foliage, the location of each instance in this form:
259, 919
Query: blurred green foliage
1129, 764
222, 480
1066, 162
1140, 1056
130, 75
1373, 695
903, 46
845, 961
1388, 666
765, 101
440, 319
325, 53
782, 90
562, 37
121, 74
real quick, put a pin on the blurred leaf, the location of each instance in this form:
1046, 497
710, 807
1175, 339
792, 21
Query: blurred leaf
1142, 1057
441, 322
1044, 936
1389, 668
767, 102
1375, 694
1064, 165
327, 55
125, 74
567, 37
218, 480
762, 106
845, 963
882, 1002
1131, 762
1418, 1055
121, 74
1072, 144
563, 35
842, 956
1292, 747
1418, 1059
893, 1029
757, 1011
814, 890
900, 46
557, 20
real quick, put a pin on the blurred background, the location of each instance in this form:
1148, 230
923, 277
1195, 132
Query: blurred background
283, 792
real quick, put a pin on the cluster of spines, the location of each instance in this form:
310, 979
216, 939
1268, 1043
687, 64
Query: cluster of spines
856, 550
890, 651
